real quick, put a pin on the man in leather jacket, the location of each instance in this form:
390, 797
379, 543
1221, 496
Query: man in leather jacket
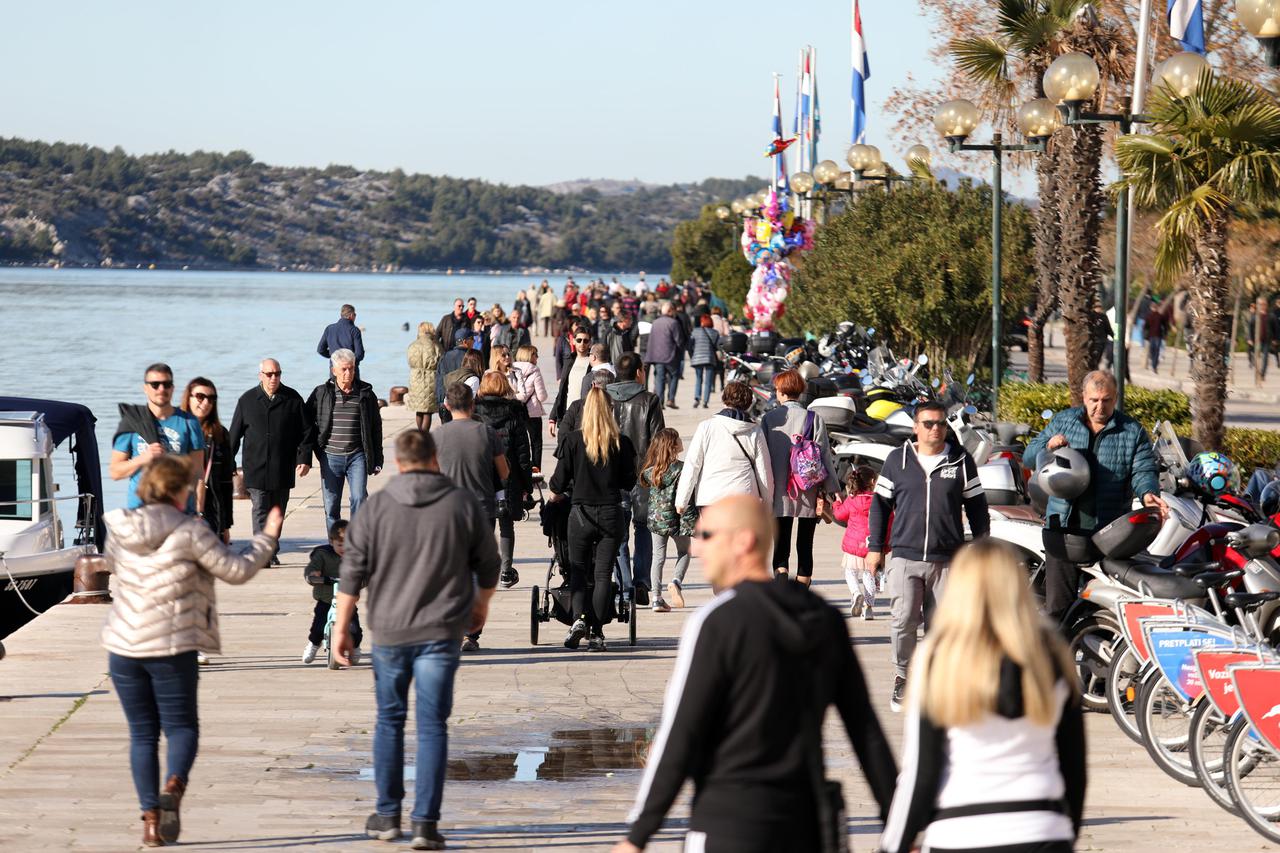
348, 430
639, 416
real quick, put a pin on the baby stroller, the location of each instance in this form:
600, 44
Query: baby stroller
548, 602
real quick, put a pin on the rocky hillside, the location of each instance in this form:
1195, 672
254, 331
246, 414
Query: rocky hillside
80, 205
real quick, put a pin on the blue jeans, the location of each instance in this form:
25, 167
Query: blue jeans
665, 377
674, 372
431, 667
704, 380
158, 694
634, 571
334, 469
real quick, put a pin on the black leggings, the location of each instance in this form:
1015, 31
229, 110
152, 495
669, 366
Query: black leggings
593, 548
804, 545
535, 442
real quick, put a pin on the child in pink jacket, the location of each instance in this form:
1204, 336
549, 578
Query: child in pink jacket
853, 511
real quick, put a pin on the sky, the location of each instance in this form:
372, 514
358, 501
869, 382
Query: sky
515, 92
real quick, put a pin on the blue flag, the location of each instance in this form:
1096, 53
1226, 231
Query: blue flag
1186, 24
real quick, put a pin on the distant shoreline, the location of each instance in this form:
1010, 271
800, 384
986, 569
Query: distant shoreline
157, 267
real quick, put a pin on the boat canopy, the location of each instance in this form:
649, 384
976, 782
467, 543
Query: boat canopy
74, 421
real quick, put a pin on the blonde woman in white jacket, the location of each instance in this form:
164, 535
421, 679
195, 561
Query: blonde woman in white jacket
727, 456
163, 612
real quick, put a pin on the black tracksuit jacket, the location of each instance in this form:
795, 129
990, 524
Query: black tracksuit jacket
759, 662
926, 509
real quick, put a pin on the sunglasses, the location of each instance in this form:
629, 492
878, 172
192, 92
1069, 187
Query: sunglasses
271, 374
582, 340
932, 424
205, 398
158, 385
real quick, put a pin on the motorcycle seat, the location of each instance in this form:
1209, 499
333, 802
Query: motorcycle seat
1248, 600
1161, 582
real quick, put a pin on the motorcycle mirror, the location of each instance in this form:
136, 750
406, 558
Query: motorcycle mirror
936, 382
1047, 414
866, 380
968, 380
971, 410
923, 359
871, 330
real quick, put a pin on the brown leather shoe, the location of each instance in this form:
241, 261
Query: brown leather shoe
170, 802
150, 828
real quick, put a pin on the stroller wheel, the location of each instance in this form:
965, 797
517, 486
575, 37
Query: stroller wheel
631, 622
534, 617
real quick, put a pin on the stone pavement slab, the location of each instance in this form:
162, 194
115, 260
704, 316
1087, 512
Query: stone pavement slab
545, 744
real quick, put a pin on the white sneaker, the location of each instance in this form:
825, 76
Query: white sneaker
202, 659
855, 609
309, 653
355, 656
867, 614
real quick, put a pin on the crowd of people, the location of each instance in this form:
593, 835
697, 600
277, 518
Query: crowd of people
427, 552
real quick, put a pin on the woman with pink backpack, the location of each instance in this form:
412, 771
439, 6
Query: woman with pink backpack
803, 474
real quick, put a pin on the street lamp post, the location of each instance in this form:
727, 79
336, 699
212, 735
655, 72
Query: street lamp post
868, 165
1071, 81
955, 120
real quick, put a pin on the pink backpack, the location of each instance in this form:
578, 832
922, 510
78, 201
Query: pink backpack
806, 465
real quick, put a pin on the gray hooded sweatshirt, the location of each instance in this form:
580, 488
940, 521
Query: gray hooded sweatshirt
421, 546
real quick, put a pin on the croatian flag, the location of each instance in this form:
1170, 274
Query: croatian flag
1186, 24
861, 73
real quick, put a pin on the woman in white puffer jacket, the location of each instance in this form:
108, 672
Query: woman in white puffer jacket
163, 613
727, 456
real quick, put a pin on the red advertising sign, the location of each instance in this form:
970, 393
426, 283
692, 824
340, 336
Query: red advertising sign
1214, 667
1258, 689
1131, 615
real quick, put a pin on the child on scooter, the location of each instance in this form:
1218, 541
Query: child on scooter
322, 573
854, 511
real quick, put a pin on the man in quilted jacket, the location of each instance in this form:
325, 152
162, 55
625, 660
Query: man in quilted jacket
1122, 468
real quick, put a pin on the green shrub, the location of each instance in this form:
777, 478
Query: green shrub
1022, 402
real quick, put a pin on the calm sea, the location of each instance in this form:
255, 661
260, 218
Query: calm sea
86, 335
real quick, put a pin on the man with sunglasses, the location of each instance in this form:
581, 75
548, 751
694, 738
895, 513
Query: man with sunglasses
271, 424
147, 432
923, 485
574, 381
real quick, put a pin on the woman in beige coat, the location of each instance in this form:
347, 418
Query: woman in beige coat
424, 358
163, 613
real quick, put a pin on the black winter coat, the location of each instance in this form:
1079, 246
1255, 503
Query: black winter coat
510, 420
320, 411
277, 435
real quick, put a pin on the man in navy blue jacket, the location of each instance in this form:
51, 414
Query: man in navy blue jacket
344, 334
924, 485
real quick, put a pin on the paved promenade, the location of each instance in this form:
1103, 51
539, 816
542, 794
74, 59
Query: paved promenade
545, 743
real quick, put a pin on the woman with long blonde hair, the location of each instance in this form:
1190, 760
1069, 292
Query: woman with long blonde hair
994, 754
596, 463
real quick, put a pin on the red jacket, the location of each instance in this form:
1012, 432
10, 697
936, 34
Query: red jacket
855, 511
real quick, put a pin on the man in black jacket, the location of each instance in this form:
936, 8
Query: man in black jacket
639, 416
761, 651
343, 334
451, 361
348, 430
271, 421
574, 380
449, 324
923, 486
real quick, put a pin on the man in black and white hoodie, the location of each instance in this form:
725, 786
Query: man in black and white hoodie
923, 485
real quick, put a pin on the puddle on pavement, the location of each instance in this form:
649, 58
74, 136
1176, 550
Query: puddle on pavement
571, 754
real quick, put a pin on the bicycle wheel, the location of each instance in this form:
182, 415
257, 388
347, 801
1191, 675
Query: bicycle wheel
1122, 689
1092, 647
1209, 733
1164, 722
1253, 778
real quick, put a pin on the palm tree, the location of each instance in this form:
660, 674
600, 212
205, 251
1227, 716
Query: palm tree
1030, 34
1209, 152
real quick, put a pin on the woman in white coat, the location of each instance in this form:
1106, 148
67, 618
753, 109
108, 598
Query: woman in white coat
727, 456
163, 612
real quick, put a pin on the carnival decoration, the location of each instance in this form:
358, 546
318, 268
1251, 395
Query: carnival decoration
767, 240
778, 146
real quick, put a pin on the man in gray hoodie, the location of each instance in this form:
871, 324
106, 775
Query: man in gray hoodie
425, 550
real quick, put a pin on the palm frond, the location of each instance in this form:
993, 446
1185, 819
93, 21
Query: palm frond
982, 58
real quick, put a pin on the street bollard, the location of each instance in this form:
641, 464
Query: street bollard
92, 581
